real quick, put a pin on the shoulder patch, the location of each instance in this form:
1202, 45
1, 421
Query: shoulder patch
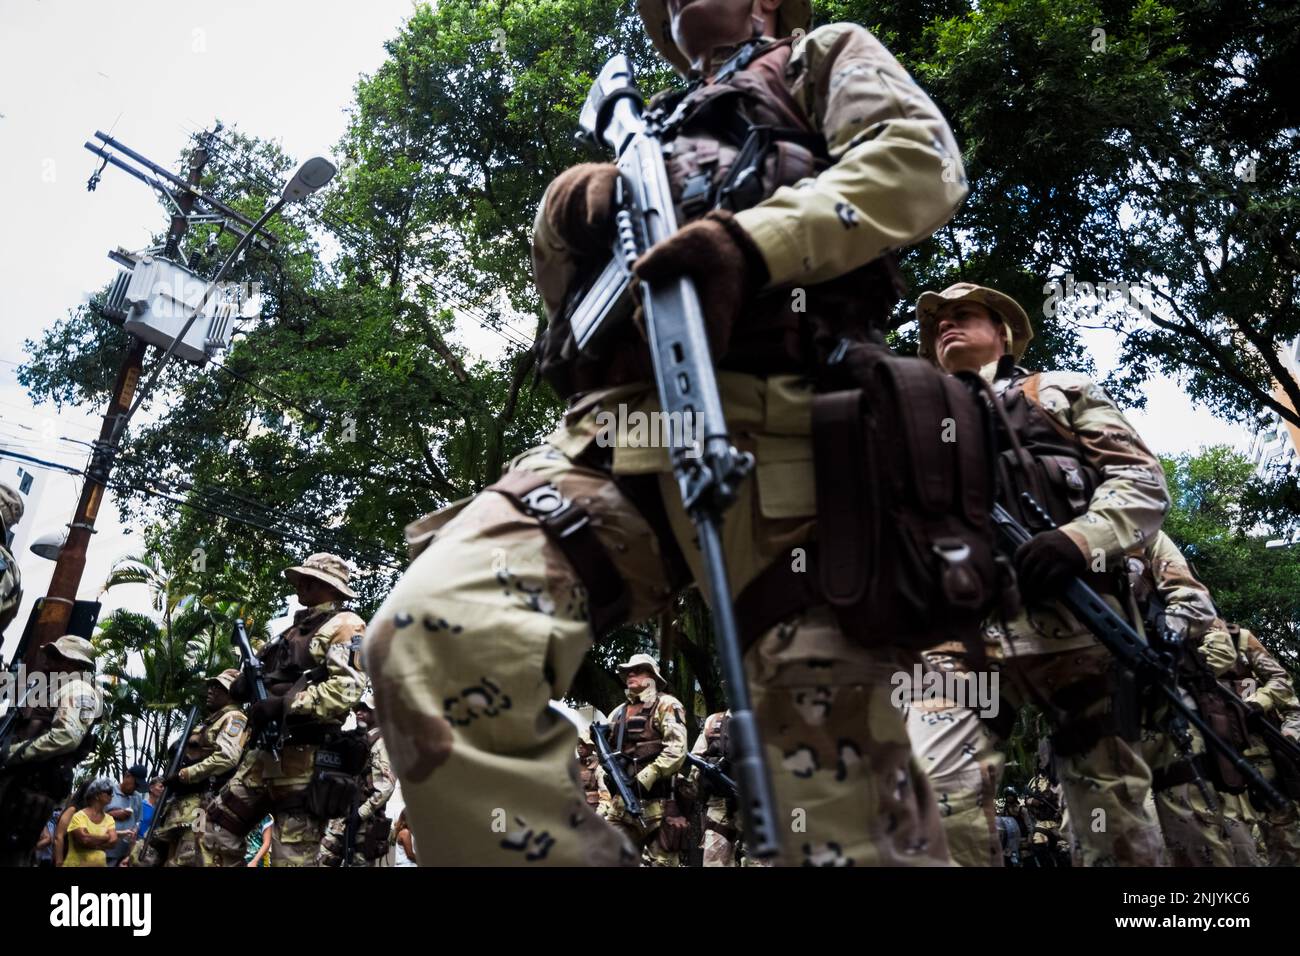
236, 724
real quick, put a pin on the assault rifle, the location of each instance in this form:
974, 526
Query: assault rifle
151, 854
1129, 648
709, 469
269, 737
714, 775
612, 764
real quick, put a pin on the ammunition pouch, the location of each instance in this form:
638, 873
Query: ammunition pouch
335, 787
374, 839
230, 812
674, 829
905, 544
1229, 723
1073, 735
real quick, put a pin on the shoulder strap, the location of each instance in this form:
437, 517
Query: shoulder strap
1029, 388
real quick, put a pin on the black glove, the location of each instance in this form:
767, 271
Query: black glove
266, 711
1046, 563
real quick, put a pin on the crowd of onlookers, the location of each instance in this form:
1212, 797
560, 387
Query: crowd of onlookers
103, 820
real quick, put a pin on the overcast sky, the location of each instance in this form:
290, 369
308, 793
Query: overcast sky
153, 73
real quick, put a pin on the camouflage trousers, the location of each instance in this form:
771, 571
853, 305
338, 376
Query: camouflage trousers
1277, 840
725, 847
335, 837
175, 836
643, 833
1195, 833
1106, 786
262, 785
490, 623
960, 756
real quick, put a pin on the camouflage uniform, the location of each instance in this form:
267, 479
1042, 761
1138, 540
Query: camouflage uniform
314, 674
212, 753
378, 784
1259, 679
722, 841
1195, 834
491, 620
1047, 657
47, 743
11, 578
651, 779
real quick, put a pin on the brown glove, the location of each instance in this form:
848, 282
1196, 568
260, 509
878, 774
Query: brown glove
727, 267
580, 207
1046, 563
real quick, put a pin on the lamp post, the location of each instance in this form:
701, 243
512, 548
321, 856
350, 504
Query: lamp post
56, 610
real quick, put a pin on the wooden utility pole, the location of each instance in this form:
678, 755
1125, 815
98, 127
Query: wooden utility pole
56, 611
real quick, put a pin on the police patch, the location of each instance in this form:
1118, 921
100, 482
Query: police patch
235, 726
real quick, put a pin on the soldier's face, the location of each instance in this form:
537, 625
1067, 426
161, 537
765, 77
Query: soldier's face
639, 678
700, 26
967, 336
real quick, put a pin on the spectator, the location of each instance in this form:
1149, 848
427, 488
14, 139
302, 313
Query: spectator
258, 851
156, 789
92, 832
405, 842
59, 847
45, 845
125, 809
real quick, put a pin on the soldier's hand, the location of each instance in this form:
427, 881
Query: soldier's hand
264, 712
1046, 563
580, 207
172, 779
724, 262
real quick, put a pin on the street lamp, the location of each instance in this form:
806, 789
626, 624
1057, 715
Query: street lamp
309, 177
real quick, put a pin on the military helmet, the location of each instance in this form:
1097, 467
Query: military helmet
790, 16
1019, 330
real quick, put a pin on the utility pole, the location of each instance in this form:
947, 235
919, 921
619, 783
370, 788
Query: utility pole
56, 610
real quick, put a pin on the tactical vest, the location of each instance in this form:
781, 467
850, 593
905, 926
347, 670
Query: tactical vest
287, 659
1057, 473
731, 142
201, 745
717, 740
639, 741
53, 776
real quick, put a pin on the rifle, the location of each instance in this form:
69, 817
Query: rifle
614, 770
151, 854
714, 775
1128, 647
709, 469
269, 737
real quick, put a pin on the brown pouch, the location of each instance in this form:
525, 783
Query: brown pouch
674, 829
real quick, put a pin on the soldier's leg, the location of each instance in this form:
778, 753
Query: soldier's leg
1106, 783
331, 844
295, 838
719, 835
959, 753
1239, 819
241, 805
489, 623
1279, 829
1195, 834
848, 791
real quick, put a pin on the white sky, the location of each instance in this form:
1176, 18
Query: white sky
154, 72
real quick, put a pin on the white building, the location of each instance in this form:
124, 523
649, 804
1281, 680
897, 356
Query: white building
1278, 443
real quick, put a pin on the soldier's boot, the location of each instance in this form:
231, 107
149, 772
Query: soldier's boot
960, 756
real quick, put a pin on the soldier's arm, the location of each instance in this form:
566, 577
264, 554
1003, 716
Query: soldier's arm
1129, 505
554, 266
332, 698
232, 736
1273, 690
76, 712
1188, 605
381, 780
897, 173
671, 723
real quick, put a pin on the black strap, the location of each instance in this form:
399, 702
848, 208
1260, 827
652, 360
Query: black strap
840, 460
569, 527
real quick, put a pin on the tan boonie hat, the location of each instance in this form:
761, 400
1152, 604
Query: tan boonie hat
11, 507
329, 568
1001, 305
226, 678
639, 660
75, 649
790, 16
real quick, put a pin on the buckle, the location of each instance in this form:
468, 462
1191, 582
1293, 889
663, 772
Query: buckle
952, 550
548, 505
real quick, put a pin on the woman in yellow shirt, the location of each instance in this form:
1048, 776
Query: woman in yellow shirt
92, 830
